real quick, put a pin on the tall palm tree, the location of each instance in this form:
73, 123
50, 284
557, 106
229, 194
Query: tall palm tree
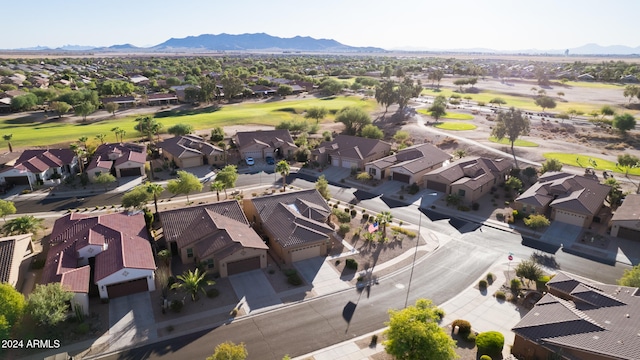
8, 137
217, 186
282, 167
148, 126
116, 132
101, 137
84, 140
192, 282
155, 190
23, 225
80, 153
383, 219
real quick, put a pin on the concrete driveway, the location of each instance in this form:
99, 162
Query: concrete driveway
254, 290
131, 320
321, 275
561, 234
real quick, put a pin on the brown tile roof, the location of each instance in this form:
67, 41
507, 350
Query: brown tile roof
161, 96
188, 146
215, 229
414, 159
600, 319
629, 210
269, 138
123, 237
294, 218
473, 172
353, 147
37, 161
117, 154
566, 191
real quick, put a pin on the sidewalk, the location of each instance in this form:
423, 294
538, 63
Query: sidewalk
481, 309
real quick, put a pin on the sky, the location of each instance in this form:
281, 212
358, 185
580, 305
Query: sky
399, 24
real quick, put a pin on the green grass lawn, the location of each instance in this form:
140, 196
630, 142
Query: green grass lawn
583, 162
456, 126
594, 85
518, 142
27, 132
449, 115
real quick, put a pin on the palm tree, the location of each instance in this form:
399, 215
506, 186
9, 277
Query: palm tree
116, 131
23, 225
8, 137
148, 126
80, 153
383, 219
217, 186
84, 140
155, 190
101, 137
122, 133
193, 282
282, 167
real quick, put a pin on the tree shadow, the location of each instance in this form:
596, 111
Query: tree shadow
187, 110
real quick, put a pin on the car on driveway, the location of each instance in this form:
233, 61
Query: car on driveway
249, 161
270, 160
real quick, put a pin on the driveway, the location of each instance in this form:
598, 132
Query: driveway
561, 234
131, 320
254, 290
323, 277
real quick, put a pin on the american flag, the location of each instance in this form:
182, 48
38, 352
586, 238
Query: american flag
373, 227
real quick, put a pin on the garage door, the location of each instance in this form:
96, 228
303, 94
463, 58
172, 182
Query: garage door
348, 164
236, 267
17, 180
437, 186
569, 218
402, 177
127, 288
629, 234
191, 162
305, 253
335, 161
130, 172
253, 154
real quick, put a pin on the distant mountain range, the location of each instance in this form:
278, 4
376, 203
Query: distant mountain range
265, 42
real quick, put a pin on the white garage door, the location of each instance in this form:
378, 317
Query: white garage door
570, 218
268, 153
305, 253
347, 164
253, 154
191, 162
335, 161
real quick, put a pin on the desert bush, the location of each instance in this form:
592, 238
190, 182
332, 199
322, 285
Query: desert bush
464, 327
482, 284
353, 213
541, 283
343, 229
365, 217
176, 306
485, 357
413, 189
515, 284
363, 176
490, 343
490, 278
439, 313
475, 206
82, 328
500, 295
211, 293
294, 279
471, 337
404, 231
342, 216
351, 264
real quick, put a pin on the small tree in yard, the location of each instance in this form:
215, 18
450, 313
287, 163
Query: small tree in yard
282, 168
229, 351
136, 198
23, 225
414, 333
193, 282
490, 343
322, 185
511, 125
513, 183
12, 306
47, 304
624, 122
184, 184
7, 208
551, 165
631, 277
528, 269
104, 179
536, 221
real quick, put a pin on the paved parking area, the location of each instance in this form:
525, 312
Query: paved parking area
560, 233
321, 275
254, 290
131, 320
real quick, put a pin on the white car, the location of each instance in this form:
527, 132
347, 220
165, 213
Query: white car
249, 161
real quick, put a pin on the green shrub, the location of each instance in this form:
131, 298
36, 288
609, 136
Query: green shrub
515, 284
485, 357
176, 306
365, 217
346, 210
294, 279
490, 343
482, 284
289, 272
351, 264
413, 189
500, 295
363, 176
541, 283
463, 208
439, 313
471, 337
475, 206
464, 327
82, 328
481, 103
404, 231
341, 216
37, 264
343, 229
211, 293
353, 213
490, 278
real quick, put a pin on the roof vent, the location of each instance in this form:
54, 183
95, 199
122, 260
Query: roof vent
596, 337
626, 315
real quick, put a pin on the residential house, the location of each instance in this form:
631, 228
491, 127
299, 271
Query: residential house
161, 99
625, 222
350, 151
294, 222
571, 199
180, 91
216, 235
116, 247
122, 101
586, 77
16, 253
191, 150
260, 144
580, 319
39, 166
408, 165
469, 178
124, 159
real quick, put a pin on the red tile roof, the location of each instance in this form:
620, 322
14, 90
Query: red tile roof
106, 154
37, 161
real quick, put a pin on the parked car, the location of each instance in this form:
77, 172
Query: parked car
270, 160
249, 161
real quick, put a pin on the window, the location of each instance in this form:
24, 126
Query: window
461, 192
189, 252
210, 263
372, 171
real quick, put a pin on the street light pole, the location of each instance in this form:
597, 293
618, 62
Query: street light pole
415, 254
